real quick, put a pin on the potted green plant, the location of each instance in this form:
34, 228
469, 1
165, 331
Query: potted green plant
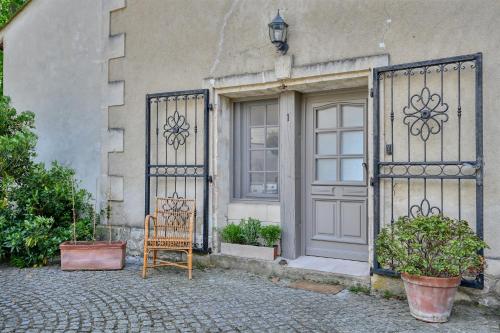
250, 240
432, 253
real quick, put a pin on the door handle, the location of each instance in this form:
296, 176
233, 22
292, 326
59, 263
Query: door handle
365, 165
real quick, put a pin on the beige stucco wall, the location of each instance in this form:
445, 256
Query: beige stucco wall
174, 46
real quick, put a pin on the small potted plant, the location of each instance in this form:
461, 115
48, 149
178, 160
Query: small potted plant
271, 234
432, 253
92, 255
250, 240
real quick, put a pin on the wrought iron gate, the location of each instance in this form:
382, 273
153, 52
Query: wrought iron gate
428, 145
177, 139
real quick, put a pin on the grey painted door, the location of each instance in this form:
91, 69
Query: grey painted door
335, 180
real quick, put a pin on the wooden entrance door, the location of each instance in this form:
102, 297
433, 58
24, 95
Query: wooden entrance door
336, 177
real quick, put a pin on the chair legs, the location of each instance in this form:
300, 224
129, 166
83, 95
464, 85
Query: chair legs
145, 261
190, 264
189, 255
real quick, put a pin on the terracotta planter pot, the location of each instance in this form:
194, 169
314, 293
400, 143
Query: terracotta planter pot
92, 255
430, 298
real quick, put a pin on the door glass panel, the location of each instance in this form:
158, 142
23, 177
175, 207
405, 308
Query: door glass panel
258, 115
257, 182
271, 160
257, 137
326, 118
326, 143
257, 160
272, 114
352, 169
352, 142
326, 169
352, 115
272, 138
272, 182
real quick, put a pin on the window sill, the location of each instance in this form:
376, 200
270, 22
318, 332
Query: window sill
257, 201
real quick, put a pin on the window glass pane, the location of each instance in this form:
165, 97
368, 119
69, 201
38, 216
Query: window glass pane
258, 115
272, 182
352, 142
352, 169
352, 115
326, 169
326, 143
257, 182
272, 114
273, 137
257, 160
272, 160
257, 137
326, 118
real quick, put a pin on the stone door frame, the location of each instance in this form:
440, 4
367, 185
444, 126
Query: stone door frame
289, 83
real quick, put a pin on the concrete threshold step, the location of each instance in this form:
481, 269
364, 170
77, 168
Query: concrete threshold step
323, 270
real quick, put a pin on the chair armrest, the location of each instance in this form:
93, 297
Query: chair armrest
146, 225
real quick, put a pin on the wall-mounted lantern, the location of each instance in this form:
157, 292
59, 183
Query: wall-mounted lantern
277, 33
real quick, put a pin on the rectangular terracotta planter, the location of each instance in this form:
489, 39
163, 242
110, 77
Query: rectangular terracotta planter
92, 255
250, 251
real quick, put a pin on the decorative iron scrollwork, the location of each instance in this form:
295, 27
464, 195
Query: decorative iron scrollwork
426, 114
424, 209
176, 130
174, 204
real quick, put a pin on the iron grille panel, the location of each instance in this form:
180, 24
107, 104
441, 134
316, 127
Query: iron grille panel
428, 116
177, 139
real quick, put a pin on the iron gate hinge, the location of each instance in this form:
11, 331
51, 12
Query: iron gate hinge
210, 179
372, 181
211, 107
371, 92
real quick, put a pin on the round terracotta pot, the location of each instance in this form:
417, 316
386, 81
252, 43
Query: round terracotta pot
430, 298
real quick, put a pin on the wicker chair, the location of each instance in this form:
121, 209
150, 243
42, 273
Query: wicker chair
173, 223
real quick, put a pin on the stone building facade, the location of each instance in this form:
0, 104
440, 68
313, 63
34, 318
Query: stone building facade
292, 139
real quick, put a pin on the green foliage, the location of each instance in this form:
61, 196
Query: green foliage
48, 192
358, 289
36, 204
231, 233
433, 246
250, 231
17, 140
8, 8
270, 234
34, 241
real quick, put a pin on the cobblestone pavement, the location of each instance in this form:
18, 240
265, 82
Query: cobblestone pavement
47, 299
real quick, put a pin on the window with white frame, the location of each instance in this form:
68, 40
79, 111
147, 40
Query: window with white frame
256, 150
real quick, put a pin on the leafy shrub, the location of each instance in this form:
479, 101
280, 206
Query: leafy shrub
270, 234
231, 233
49, 192
17, 140
250, 231
34, 241
433, 246
36, 204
